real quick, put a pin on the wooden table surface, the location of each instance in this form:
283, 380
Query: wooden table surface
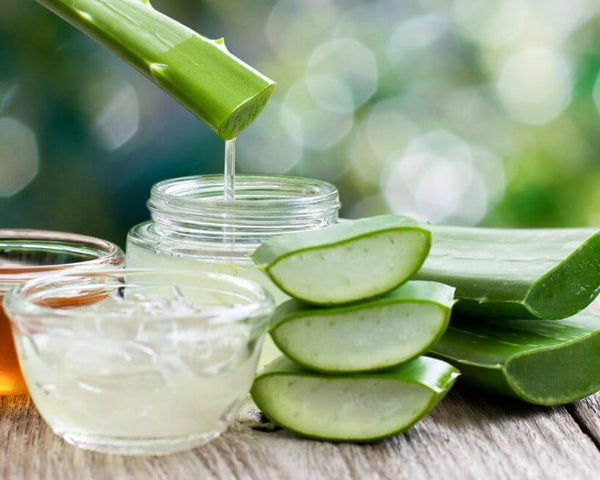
469, 435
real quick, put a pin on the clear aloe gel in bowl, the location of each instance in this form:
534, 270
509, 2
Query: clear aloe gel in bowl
146, 361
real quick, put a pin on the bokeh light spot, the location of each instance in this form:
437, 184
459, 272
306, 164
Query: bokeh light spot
535, 85
492, 23
441, 178
294, 28
350, 63
555, 19
596, 93
382, 132
308, 124
118, 119
7, 96
388, 130
413, 34
331, 93
265, 148
19, 156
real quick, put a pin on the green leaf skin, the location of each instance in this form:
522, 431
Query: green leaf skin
362, 407
213, 84
546, 362
346, 262
545, 273
367, 336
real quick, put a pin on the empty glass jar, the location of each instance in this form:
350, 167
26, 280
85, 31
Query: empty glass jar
194, 227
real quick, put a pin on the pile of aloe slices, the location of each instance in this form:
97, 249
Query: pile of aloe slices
370, 297
354, 331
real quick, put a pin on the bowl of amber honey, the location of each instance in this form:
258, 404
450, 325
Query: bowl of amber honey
29, 254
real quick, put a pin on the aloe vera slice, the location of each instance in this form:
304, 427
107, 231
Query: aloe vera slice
371, 335
551, 273
546, 362
358, 407
346, 262
202, 74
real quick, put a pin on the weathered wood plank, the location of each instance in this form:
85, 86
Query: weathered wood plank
471, 435
586, 413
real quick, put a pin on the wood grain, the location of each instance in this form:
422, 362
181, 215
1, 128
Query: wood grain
470, 435
586, 413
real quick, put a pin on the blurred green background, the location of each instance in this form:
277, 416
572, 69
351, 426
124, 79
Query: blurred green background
463, 111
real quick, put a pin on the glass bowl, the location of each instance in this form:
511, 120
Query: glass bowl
138, 361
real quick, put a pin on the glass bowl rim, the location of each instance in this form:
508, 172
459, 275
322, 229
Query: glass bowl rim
18, 304
108, 254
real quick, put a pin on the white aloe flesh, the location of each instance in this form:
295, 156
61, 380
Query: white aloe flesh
346, 262
372, 335
358, 408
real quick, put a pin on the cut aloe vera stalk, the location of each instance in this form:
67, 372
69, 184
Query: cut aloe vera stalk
371, 335
354, 408
200, 73
547, 362
552, 273
346, 262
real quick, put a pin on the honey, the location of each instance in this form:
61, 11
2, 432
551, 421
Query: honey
28, 254
11, 379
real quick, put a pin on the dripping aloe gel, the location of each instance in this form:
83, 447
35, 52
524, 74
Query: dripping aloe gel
215, 223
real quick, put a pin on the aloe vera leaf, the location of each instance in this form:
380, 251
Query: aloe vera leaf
545, 273
359, 407
546, 362
366, 336
200, 73
345, 262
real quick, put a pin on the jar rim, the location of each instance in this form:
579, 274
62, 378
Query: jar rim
99, 251
278, 192
191, 213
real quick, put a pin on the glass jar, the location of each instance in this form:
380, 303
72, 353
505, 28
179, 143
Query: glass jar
141, 361
27, 254
194, 227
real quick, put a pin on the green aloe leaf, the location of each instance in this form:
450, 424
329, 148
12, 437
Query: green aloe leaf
546, 362
545, 273
372, 335
360, 407
202, 74
346, 262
